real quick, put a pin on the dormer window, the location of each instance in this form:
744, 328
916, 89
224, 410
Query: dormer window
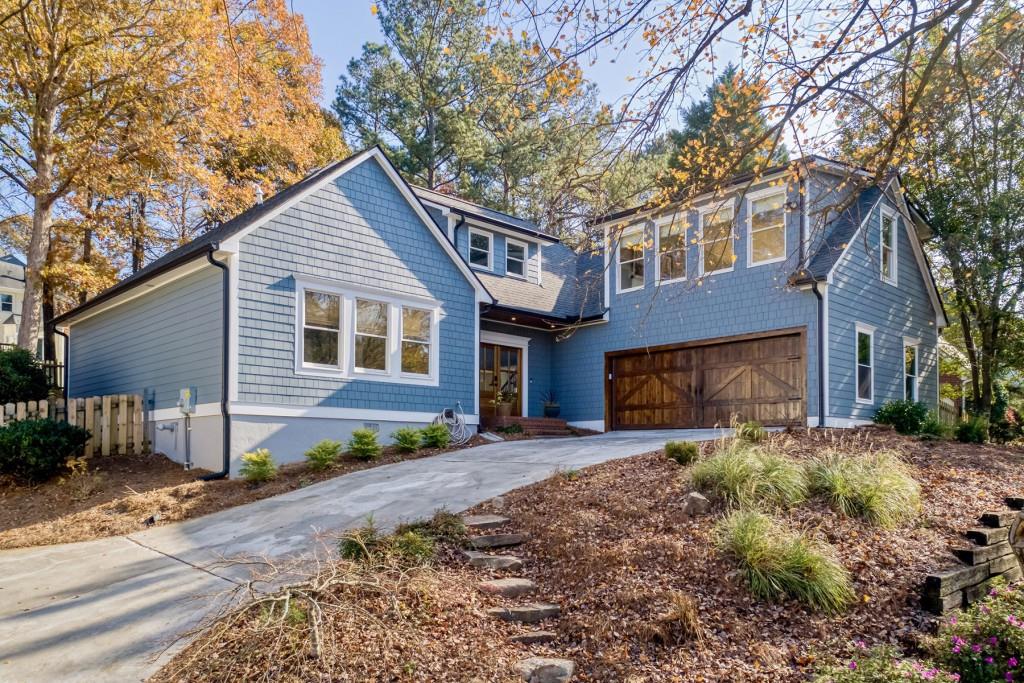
6, 303
717, 250
515, 258
481, 247
631, 259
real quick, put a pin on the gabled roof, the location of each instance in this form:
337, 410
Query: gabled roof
482, 213
12, 259
841, 231
259, 214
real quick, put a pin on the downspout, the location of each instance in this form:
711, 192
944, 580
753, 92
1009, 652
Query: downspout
67, 348
821, 353
224, 375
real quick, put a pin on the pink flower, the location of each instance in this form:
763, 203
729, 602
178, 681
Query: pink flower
853, 666
1011, 662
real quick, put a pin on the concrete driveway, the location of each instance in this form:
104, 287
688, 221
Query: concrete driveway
107, 610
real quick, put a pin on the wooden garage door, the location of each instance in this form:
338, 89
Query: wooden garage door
702, 384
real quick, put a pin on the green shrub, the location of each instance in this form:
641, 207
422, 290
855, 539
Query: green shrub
745, 474
436, 436
777, 562
406, 546
935, 428
683, 452
974, 430
876, 487
882, 664
751, 432
361, 543
410, 547
323, 455
986, 642
905, 416
407, 439
444, 527
258, 466
363, 444
35, 450
22, 378
514, 428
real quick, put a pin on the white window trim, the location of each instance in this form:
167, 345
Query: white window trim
915, 344
525, 261
639, 228
683, 224
347, 371
751, 198
886, 212
388, 336
488, 337
703, 211
11, 296
401, 340
490, 249
859, 329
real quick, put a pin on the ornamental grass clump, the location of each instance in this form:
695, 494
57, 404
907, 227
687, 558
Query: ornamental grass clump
323, 454
876, 487
746, 474
750, 431
258, 466
407, 439
777, 562
363, 444
882, 664
986, 641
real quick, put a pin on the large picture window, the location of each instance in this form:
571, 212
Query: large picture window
767, 229
321, 329
865, 365
631, 260
888, 246
717, 249
671, 251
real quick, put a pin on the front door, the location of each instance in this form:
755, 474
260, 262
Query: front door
500, 370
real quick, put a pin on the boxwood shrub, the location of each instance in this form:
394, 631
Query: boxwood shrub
32, 451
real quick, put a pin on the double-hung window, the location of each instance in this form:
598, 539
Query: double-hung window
631, 259
671, 251
887, 240
480, 249
371, 335
767, 222
910, 371
717, 250
865, 356
321, 329
416, 341
515, 258
6, 303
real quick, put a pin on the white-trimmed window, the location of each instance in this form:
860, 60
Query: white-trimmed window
766, 222
515, 258
888, 244
416, 341
631, 259
481, 249
864, 351
717, 247
321, 329
353, 332
370, 346
910, 370
6, 303
671, 250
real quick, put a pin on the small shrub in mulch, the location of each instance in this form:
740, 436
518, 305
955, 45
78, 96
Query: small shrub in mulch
436, 436
683, 452
876, 487
35, 450
323, 454
746, 474
443, 527
777, 562
363, 445
906, 417
407, 546
407, 439
258, 466
934, 428
974, 430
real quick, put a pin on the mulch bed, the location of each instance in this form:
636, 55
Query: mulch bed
124, 494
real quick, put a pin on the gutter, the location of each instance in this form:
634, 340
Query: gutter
224, 377
821, 353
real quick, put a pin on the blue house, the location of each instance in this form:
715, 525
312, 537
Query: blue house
353, 299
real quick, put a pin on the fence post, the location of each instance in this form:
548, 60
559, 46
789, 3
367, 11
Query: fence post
105, 415
90, 424
122, 424
137, 424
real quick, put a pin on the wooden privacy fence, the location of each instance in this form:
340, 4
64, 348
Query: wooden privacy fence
116, 422
948, 412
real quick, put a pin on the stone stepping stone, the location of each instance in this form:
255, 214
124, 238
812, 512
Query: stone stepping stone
496, 541
533, 637
485, 561
509, 588
994, 520
484, 522
526, 614
546, 670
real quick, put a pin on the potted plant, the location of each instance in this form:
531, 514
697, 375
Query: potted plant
551, 406
503, 403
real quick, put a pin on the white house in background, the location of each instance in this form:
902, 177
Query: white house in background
12, 289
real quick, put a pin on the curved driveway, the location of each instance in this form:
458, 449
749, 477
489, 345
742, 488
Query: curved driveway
106, 610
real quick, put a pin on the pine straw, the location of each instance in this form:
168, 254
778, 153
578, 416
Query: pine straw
119, 494
353, 621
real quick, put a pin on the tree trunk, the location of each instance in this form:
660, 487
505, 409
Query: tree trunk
49, 343
38, 246
83, 293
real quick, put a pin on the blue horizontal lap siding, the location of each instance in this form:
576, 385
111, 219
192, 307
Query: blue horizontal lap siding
859, 295
745, 300
541, 350
357, 230
155, 344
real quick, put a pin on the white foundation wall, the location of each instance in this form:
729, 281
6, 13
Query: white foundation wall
168, 437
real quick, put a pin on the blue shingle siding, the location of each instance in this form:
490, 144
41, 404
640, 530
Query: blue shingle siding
154, 345
743, 301
541, 351
857, 294
357, 230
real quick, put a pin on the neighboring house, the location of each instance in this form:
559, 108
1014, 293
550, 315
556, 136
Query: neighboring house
12, 291
353, 299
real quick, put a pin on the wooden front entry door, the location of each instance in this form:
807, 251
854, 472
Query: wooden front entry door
705, 384
500, 368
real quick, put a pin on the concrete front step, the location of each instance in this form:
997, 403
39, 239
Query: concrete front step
484, 522
496, 541
509, 588
546, 670
526, 614
533, 637
485, 561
